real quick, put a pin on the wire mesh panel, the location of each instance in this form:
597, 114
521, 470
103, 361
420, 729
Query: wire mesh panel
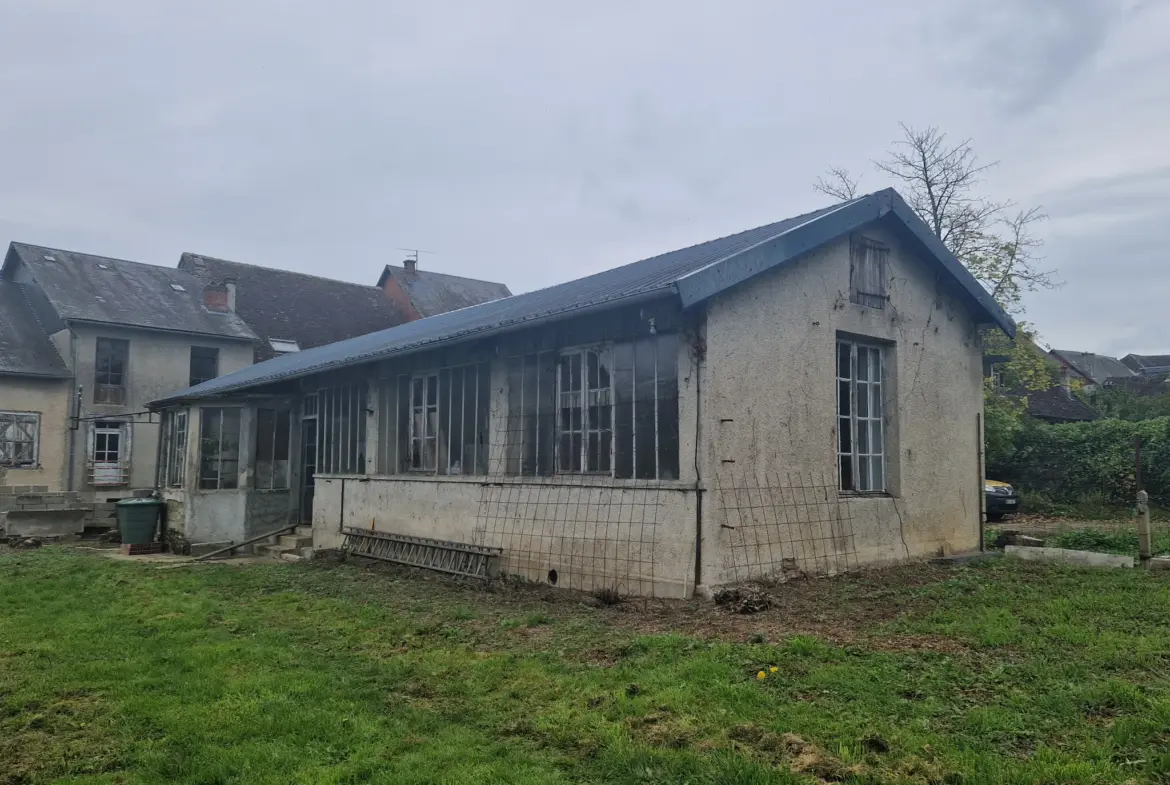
777, 526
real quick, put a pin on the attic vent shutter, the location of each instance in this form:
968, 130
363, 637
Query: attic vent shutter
868, 261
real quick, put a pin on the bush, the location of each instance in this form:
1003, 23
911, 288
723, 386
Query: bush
1067, 464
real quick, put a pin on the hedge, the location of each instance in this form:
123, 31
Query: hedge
1072, 462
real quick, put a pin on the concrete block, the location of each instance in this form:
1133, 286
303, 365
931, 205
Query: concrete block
1160, 563
1063, 556
44, 523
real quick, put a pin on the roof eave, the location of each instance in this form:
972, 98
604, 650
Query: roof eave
171, 331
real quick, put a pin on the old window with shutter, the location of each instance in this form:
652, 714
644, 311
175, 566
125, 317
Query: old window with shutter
19, 438
868, 263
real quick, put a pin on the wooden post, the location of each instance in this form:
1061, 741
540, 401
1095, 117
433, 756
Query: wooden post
1145, 546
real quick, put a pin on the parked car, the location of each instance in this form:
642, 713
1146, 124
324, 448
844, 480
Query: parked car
1002, 499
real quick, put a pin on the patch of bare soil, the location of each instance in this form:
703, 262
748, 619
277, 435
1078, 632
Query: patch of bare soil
841, 610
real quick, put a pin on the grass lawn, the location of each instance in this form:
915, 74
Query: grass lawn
115, 672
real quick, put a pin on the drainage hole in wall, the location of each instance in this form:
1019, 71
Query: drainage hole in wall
552, 577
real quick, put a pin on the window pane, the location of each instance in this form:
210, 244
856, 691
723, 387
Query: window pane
265, 433
844, 434
863, 474
877, 480
862, 365
875, 392
843, 360
876, 436
862, 399
843, 407
847, 473
623, 383
862, 438
645, 413
668, 426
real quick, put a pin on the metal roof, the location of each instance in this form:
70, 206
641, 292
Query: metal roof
1094, 367
88, 288
692, 274
25, 348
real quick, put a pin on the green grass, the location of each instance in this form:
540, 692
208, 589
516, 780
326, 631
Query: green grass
112, 672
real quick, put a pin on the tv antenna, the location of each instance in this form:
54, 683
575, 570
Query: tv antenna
414, 252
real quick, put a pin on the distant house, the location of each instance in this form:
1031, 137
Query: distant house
1057, 404
290, 311
425, 293
1092, 369
123, 333
800, 398
1148, 364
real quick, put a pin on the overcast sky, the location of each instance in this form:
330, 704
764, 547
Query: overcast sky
533, 145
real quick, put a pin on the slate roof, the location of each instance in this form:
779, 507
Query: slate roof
1057, 404
435, 293
308, 309
1095, 367
84, 287
691, 274
25, 348
1147, 363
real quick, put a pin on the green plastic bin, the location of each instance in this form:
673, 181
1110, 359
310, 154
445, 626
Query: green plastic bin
138, 520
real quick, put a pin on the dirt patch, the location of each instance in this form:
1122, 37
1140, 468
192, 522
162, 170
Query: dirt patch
793, 752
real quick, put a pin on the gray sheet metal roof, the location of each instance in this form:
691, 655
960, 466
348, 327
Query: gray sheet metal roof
691, 274
84, 287
25, 349
1148, 363
434, 293
308, 309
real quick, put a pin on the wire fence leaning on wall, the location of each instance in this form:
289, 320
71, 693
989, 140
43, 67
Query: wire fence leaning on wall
783, 526
579, 452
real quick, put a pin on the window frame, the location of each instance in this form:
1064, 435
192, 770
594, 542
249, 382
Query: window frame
220, 473
14, 416
864, 254
109, 391
174, 468
274, 483
849, 444
583, 405
416, 441
213, 351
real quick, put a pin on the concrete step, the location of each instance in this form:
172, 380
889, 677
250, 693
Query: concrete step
295, 540
305, 531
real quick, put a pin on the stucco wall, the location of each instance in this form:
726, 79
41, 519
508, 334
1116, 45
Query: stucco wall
636, 537
769, 414
158, 364
266, 510
49, 397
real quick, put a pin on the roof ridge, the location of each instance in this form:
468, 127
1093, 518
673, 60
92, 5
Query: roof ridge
95, 256
444, 275
274, 269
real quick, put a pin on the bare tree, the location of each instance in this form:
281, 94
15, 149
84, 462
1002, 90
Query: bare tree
841, 184
939, 181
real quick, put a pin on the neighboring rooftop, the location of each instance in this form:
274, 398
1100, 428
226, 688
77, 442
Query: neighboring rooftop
691, 275
431, 294
1148, 364
1094, 367
1057, 404
25, 348
292, 311
84, 287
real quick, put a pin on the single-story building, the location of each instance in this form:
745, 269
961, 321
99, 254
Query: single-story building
800, 398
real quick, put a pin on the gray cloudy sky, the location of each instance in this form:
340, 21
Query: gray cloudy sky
532, 141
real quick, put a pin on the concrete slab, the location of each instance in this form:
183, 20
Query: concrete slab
1160, 563
1064, 556
44, 523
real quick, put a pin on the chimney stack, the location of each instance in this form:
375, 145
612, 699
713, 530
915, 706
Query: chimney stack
411, 265
230, 285
215, 298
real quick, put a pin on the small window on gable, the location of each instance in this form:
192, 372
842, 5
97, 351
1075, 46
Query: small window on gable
868, 260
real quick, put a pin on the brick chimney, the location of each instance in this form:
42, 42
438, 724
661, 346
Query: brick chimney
215, 298
230, 285
411, 266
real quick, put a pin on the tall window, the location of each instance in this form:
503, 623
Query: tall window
868, 261
435, 421
174, 452
585, 404
342, 428
204, 364
219, 448
109, 452
861, 461
273, 428
609, 410
110, 370
20, 434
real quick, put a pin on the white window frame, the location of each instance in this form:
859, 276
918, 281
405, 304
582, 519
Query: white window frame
106, 472
863, 414
13, 417
418, 438
176, 448
586, 398
220, 472
107, 392
274, 480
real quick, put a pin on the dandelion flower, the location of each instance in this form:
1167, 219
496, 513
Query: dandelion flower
773, 669
761, 675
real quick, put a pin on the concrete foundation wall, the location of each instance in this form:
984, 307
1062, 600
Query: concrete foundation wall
769, 418
635, 537
267, 510
49, 398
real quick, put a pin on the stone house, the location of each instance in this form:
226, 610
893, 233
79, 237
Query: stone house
800, 398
